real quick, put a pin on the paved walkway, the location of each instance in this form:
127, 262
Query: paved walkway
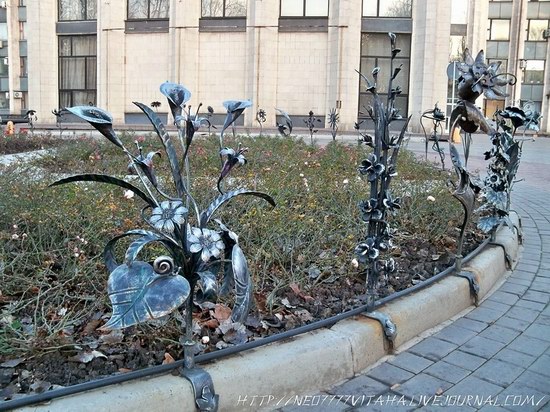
497, 357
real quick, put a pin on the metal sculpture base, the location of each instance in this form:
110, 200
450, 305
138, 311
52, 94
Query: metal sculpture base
205, 398
474, 286
389, 327
507, 257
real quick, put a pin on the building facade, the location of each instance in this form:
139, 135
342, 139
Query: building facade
297, 55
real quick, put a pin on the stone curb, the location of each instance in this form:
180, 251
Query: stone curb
306, 363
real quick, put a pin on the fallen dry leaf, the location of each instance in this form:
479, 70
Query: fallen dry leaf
124, 370
87, 357
221, 312
168, 359
91, 326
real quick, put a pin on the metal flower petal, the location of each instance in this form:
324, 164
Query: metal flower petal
168, 215
206, 241
101, 120
177, 96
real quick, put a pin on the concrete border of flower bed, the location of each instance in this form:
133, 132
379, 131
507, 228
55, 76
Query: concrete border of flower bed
310, 362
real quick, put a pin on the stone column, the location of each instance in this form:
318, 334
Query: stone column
518, 35
13, 54
429, 57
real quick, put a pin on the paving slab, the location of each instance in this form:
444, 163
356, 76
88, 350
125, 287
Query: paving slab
519, 398
516, 358
447, 371
541, 366
390, 374
432, 348
422, 385
498, 372
513, 323
464, 360
474, 386
484, 315
361, 385
500, 334
455, 334
531, 346
525, 314
481, 346
466, 323
539, 331
411, 362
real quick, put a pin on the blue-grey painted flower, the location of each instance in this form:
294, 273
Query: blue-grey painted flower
390, 203
177, 96
494, 179
284, 129
233, 158
232, 235
369, 210
389, 265
145, 164
167, 215
234, 109
206, 241
367, 250
371, 168
99, 119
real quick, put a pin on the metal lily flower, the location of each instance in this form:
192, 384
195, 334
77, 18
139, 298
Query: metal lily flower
197, 254
285, 129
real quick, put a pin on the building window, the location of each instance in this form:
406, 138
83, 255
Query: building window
304, 8
499, 29
534, 72
24, 71
536, 30
457, 45
148, 9
223, 8
77, 70
22, 3
387, 8
375, 53
4, 67
77, 10
3, 31
459, 12
22, 30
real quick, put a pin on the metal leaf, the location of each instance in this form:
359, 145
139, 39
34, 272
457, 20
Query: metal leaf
487, 223
136, 246
91, 177
497, 198
109, 253
243, 285
208, 285
138, 294
220, 200
455, 157
168, 146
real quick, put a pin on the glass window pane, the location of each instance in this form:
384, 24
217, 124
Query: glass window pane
4, 101
500, 30
158, 9
64, 46
316, 8
137, 9
83, 98
457, 45
72, 9
91, 73
84, 46
23, 66
367, 64
72, 73
65, 99
395, 8
370, 8
292, 8
3, 67
92, 10
3, 31
378, 44
534, 72
536, 28
212, 8
235, 8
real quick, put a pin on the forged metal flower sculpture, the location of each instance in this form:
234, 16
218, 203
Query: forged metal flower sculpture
437, 117
30, 116
333, 120
261, 118
234, 110
380, 167
286, 128
310, 123
505, 156
197, 252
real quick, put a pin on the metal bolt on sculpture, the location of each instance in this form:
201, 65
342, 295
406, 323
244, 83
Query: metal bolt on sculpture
196, 252
379, 168
437, 117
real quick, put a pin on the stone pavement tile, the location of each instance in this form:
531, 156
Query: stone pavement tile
515, 358
500, 334
529, 304
439, 406
483, 347
422, 385
513, 323
518, 281
474, 386
498, 306
503, 297
432, 348
514, 288
361, 385
411, 362
523, 314
539, 331
318, 403
537, 296
522, 275
543, 280
498, 372
541, 366
524, 267
455, 334
484, 315
519, 398
528, 345
534, 380
447, 371
464, 360
546, 311
543, 319
389, 374
537, 286
471, 324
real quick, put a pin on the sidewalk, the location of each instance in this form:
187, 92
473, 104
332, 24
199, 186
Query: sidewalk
496, 357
